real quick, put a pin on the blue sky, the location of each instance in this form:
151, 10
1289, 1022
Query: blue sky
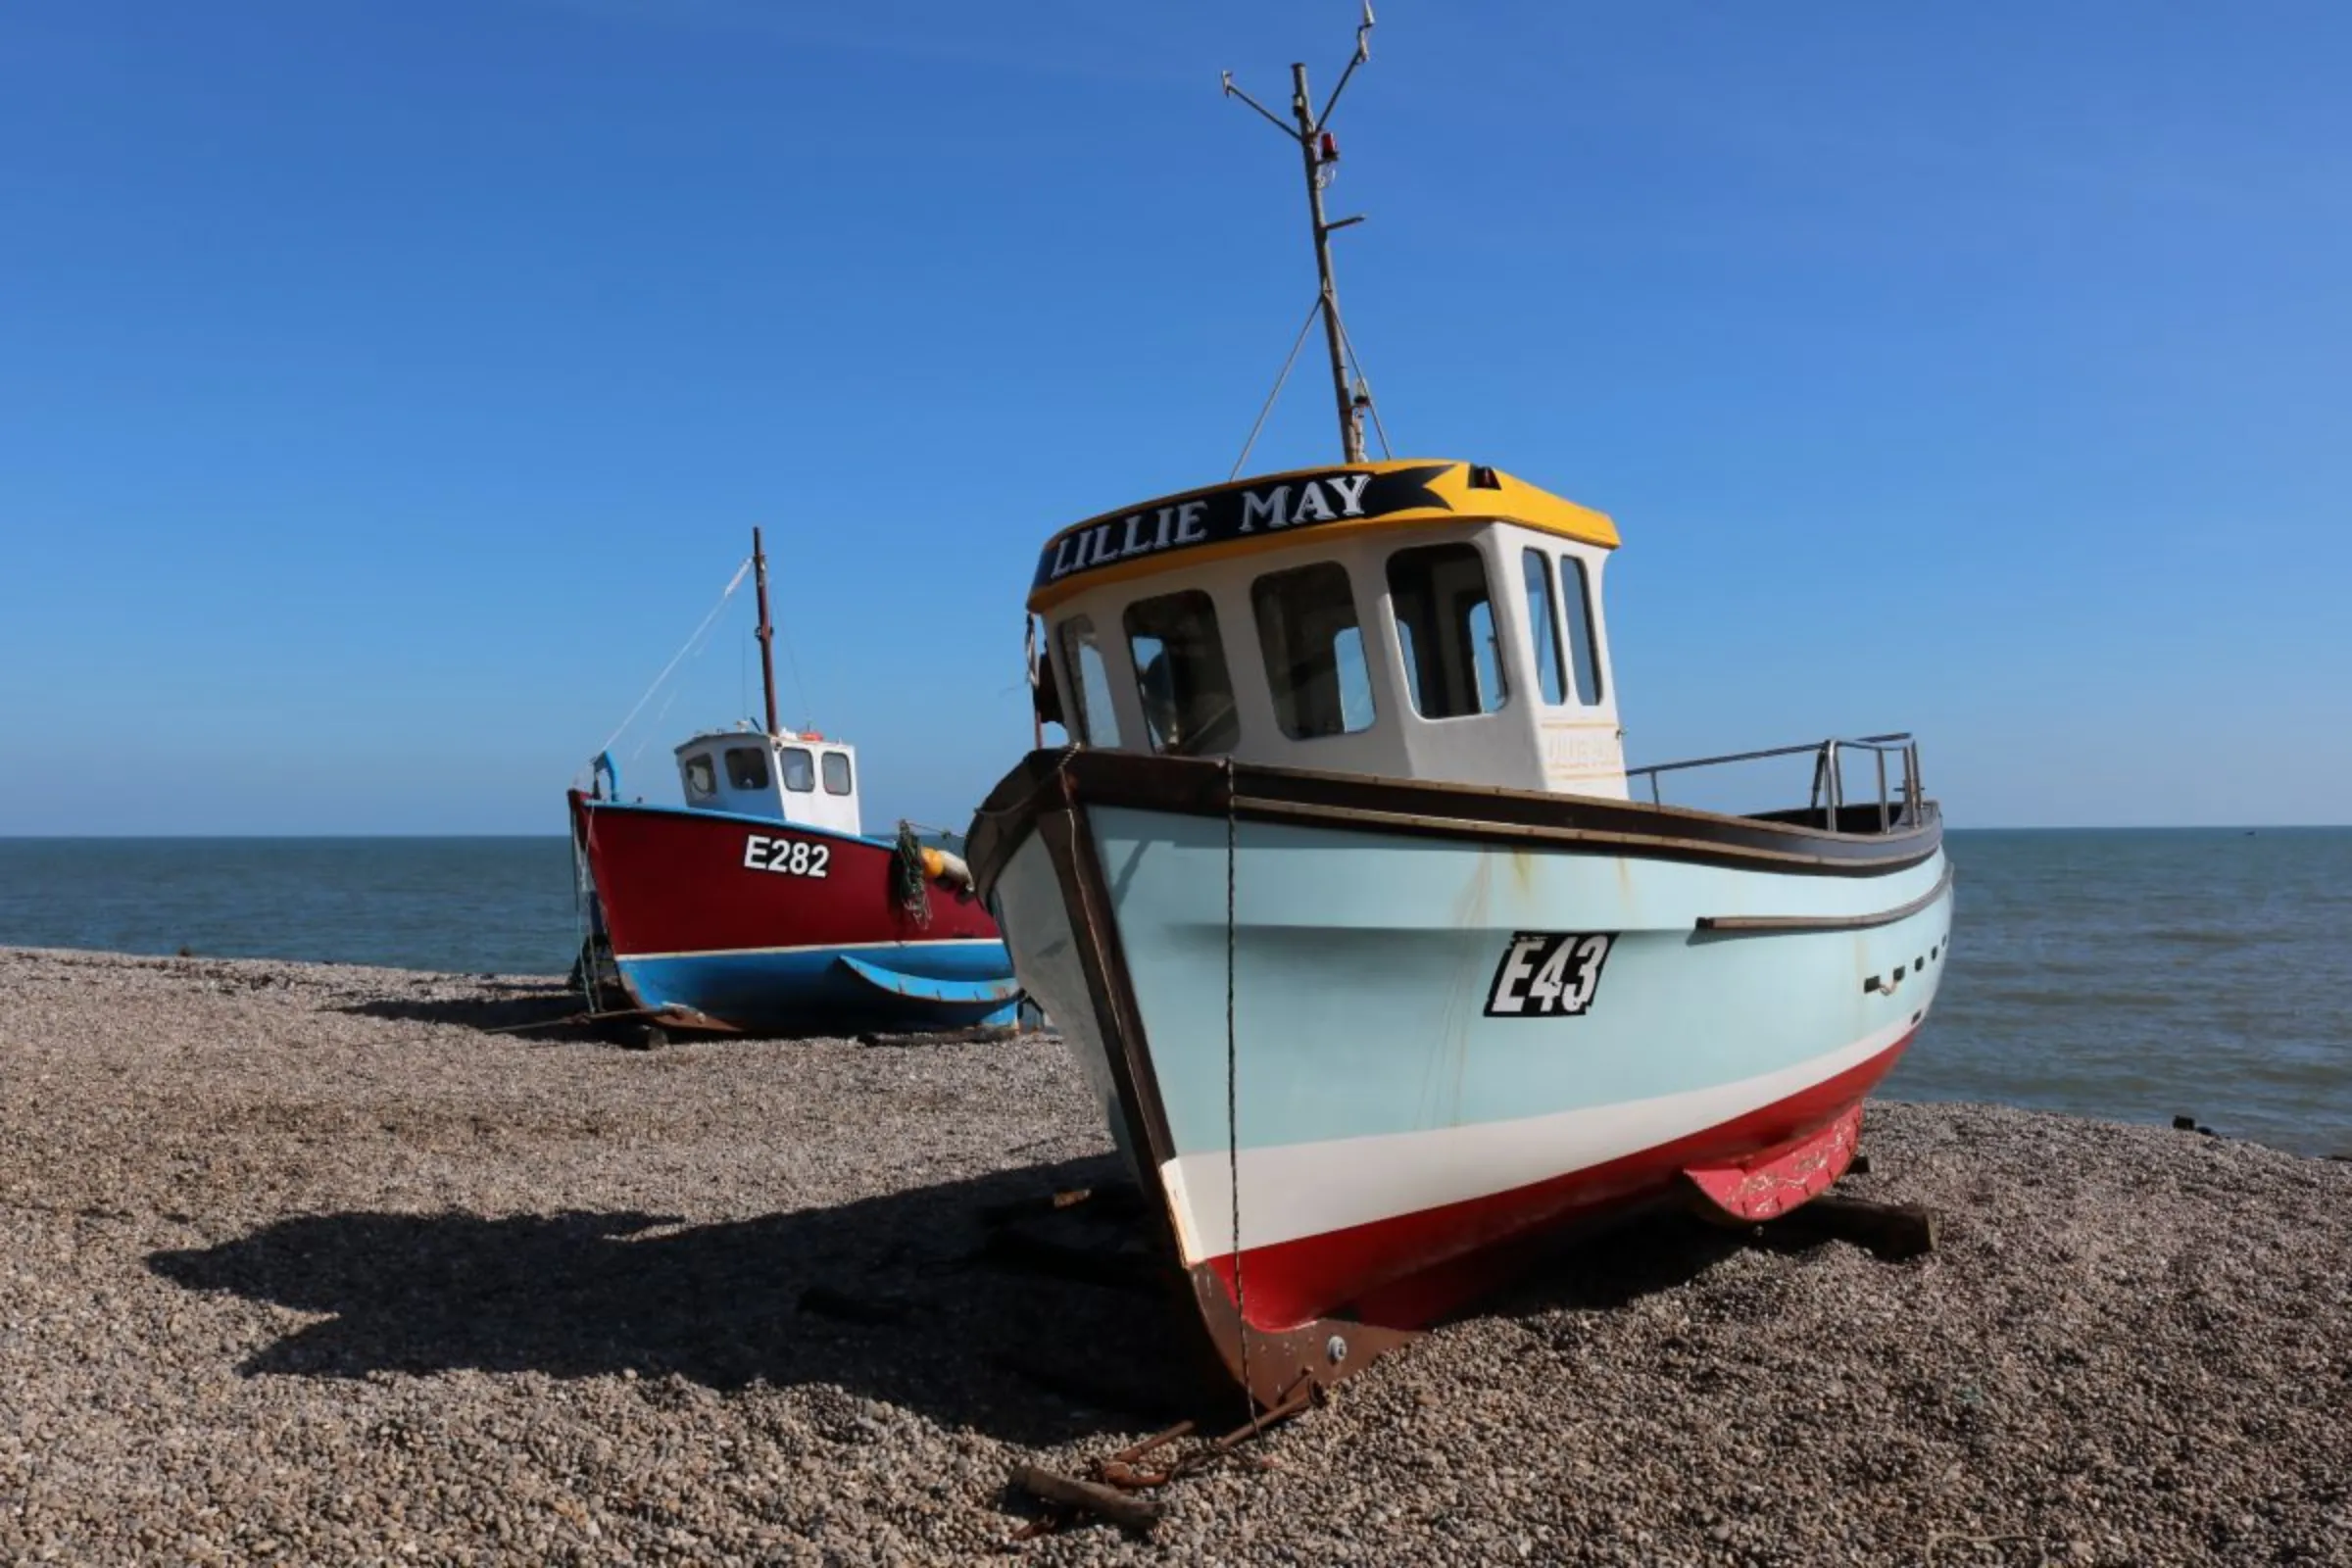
386, 390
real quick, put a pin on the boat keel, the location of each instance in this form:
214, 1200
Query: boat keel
1280, 1367
1777, 1181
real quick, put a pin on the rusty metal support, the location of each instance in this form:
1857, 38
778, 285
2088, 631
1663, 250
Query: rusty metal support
1121, 1508
1119, 1469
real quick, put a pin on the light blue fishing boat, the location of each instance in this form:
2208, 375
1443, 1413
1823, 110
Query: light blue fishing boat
1382, 961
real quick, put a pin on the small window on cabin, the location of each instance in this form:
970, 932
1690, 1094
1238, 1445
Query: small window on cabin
800, 769
837, 772
1583, 646
1179, 672
1445, 630
1544, 625
1093, 721
702, 779
746, 767
1314, 651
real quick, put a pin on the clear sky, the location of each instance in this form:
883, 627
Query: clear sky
387, 389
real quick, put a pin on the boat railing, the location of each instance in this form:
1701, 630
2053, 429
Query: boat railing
1897, 798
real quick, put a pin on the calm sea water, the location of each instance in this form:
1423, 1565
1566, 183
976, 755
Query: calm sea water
478, 904
2142, 974
2127, 974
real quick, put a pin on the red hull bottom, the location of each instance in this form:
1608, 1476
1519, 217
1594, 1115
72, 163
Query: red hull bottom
1412, 1269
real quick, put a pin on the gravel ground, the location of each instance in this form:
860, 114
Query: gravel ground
303, 1262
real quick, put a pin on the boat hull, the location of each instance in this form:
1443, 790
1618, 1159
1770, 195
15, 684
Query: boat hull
1459, 1018
737, 923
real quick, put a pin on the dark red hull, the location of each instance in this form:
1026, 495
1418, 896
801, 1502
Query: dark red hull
768, 926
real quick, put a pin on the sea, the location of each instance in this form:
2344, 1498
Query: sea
2135, 975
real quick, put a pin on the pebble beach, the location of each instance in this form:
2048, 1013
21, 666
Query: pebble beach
309, 1263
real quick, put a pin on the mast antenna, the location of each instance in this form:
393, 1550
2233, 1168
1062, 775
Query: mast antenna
1319, 153
768, 633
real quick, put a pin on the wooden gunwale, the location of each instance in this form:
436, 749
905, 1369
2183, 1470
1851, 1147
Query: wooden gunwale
1516, 819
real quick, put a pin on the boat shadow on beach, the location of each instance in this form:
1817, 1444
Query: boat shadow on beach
546, 1010
905, 1297
554, 1012
911, 1298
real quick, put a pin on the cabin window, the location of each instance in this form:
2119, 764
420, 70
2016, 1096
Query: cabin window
800, 769
701, 778
837, 772
1314, 651
1097, 723
1445, 630
1583, 646
1544, 625
1179, 672
746, 767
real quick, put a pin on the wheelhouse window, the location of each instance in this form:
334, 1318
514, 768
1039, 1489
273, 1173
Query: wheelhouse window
1093, 720
837, 772
1583, 646
1314, 651
701, 777
1445, 630
746, 767
1180, 673
800, 769
1544, 626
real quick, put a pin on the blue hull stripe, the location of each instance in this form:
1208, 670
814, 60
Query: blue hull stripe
797, 988
927, 988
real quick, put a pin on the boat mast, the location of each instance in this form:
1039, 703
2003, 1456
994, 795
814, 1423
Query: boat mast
768, 633
1316, 149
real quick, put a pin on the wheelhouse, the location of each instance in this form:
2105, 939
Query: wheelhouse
781, 777
1425, 620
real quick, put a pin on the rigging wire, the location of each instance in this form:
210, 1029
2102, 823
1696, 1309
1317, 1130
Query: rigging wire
1233, 1102
663, 712
1295, 346
727, 593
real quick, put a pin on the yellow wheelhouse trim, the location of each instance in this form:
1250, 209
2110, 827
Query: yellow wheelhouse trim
1194, 528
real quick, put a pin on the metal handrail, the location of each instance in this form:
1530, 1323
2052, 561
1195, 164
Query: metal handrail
1827, 793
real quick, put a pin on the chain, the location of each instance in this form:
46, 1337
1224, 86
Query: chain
1233, 1117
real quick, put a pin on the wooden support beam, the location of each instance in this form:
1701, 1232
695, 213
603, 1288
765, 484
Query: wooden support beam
1891, 1232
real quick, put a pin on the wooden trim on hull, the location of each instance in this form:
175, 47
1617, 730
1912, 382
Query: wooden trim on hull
1734, 925
1087, 891
1047, 794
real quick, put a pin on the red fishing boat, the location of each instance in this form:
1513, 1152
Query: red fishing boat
760, 905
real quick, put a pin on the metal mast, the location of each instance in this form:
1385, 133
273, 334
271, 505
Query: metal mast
1316, 152
768, 633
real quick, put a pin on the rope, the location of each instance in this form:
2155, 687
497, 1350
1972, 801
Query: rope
1232, 1113
1295, 346
728, 593
584, 962
913, 895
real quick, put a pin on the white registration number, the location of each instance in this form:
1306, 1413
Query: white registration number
1548, 974
788, 856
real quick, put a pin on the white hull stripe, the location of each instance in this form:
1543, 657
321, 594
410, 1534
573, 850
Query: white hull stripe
1296, 1189
810, 946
